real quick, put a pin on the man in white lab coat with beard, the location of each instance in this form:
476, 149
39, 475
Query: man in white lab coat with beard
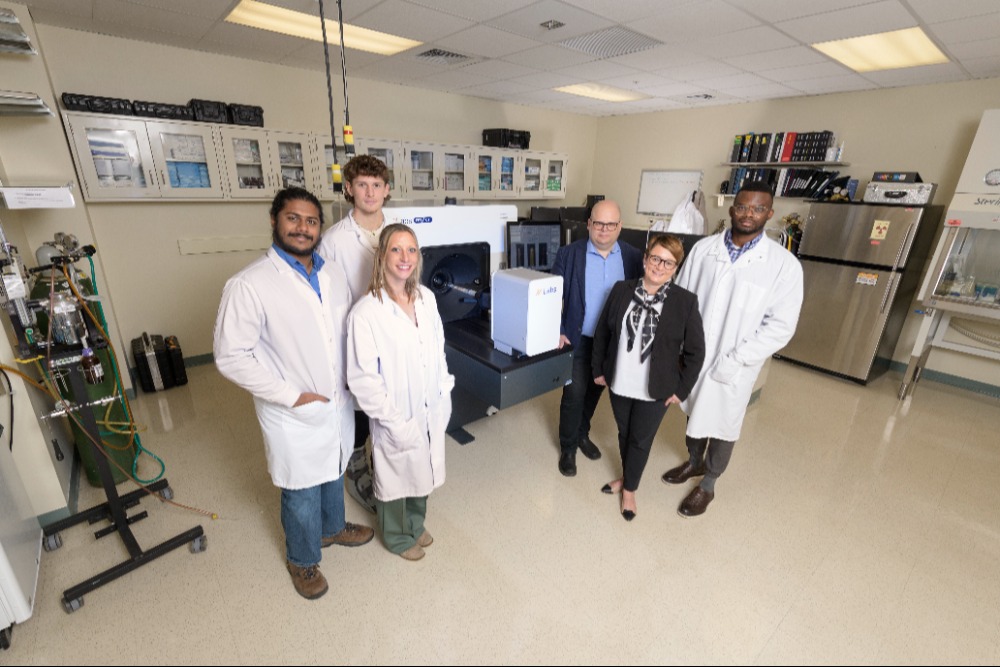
749, 292
281, 335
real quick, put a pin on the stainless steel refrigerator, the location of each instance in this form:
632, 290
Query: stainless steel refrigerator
861, 265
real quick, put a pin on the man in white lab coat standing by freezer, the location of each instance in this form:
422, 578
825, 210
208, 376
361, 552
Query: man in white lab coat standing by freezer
281, 334
749, 292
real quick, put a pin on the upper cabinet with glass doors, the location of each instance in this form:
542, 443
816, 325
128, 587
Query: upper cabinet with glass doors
127, 159
261, 162
436, 171
497, 174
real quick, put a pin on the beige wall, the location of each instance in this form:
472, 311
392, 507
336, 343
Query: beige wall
161, 291
928, 129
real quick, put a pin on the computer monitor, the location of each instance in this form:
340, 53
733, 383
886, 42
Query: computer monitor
544, 213
532, 244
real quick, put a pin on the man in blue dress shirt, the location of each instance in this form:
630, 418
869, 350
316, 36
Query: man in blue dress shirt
589, 268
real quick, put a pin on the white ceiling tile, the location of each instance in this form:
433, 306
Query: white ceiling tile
765, 91
782, 10
536, 96
496, 88
412, 21
549, 56
149, 18
212, 9
765, 60
833, 84
655, 104
482, 40
703, 70
548, 80
456, 78
527, 21
83, 8
311, 51
672, 90
802, 72
596, 70
352, 8
980, 48
734, 81
302, 63
499, 69
637, 81
67, 19
623, 12
238, 36
693, 21
475, 10
399, 68
659, 57
983, 67
852, 22
716, 99
741, 42
933, 11
912, 76
968, 29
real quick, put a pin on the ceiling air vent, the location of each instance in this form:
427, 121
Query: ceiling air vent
612, 42
442, 57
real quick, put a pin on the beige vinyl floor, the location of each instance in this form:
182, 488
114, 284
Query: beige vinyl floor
850, 528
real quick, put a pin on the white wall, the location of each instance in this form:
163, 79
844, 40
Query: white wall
161, 291
928, 129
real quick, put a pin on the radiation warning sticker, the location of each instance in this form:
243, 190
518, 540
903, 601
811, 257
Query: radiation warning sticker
879, 230
867, 279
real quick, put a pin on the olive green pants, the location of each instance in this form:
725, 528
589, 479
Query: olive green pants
401, 522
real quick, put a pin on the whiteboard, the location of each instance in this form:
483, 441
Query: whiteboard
662, 191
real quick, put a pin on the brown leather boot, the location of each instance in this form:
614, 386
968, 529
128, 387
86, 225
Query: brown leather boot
309, 582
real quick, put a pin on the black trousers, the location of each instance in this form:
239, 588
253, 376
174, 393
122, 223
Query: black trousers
579, 398
637, 422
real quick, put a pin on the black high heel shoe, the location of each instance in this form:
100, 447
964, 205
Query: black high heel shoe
628, 514
607, 489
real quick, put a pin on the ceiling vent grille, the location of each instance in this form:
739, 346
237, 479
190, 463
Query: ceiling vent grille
12, 35
442, 57
612, 42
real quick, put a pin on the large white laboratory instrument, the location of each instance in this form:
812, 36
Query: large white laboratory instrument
960, 289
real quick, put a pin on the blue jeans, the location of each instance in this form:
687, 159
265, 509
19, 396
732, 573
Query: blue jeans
308, 515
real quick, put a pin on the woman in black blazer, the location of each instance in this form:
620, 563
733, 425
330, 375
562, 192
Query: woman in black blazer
648, 350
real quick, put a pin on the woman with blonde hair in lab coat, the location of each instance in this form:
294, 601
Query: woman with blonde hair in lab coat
396, 370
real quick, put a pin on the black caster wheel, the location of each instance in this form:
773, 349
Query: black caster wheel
5, 637
198, 544
167, 493
52, 542
72, 605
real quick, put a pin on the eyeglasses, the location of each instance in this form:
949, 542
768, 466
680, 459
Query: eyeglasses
757, 210
661, 261
603, 226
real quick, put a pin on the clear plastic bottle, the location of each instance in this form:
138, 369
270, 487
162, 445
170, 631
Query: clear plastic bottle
93, 372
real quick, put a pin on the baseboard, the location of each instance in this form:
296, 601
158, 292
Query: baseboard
951, 380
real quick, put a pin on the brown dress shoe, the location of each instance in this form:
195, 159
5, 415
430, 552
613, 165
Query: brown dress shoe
683, 473
425, 539
309, 582
352, 535
415, 552
696, 502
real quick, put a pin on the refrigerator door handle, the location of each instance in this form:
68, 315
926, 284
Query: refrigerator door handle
888, 290
904, 247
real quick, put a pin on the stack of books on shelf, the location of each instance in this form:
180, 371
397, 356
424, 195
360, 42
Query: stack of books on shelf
786, 147
803, 182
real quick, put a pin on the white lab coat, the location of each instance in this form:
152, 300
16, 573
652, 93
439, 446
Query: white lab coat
345, 243
399, 377
749, 310
274, 338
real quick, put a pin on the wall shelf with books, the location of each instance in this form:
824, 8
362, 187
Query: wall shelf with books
781, 165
